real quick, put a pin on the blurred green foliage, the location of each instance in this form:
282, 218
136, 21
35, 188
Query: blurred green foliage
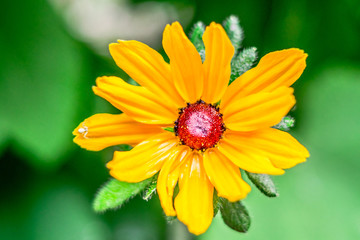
48, 183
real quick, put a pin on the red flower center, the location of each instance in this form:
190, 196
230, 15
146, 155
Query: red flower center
199, 126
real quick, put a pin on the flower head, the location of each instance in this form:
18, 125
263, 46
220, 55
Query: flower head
211, 141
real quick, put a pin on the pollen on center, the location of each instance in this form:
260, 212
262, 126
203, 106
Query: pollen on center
199, 126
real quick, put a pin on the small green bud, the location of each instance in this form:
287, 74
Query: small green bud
235, 215
242, 62
264, 183
114, 193
234, 31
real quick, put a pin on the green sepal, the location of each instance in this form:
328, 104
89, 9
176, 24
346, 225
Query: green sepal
114, 193
264, 183
196, 38
150, 189
286, 123
235, 215
234, 31
242, 62
169, 129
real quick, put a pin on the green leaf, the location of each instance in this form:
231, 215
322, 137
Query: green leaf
234, 31
196, 35
264, 183
235, 215
216, 203
286, 123
114, 193
196, 38
243, 62
150, 190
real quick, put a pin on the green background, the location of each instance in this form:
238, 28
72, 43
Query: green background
46, 73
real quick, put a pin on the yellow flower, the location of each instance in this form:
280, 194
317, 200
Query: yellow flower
211, 142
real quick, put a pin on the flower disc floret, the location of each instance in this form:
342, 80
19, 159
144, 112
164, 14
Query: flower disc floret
199, 126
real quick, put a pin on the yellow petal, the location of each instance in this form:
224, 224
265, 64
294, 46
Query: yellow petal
258, 110
225, 176
217, 69
148, 68
194, 203
144, 160
280, 147
276, 69
249, 159
137, 102
104, 130
168, 178
185, 63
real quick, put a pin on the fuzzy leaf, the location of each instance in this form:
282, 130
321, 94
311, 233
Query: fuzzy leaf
234, 31
243, 62
196, 38
196, 35
114, 193
286, 123
235, 215
150, 189
264, 183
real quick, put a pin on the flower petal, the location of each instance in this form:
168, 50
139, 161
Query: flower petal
280, 147
137, 102
258, 110
185, 63
249, 159
148, 68
276, 69
168, 178
194, 203
104, 130
144, 160
217, 68
225, 176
